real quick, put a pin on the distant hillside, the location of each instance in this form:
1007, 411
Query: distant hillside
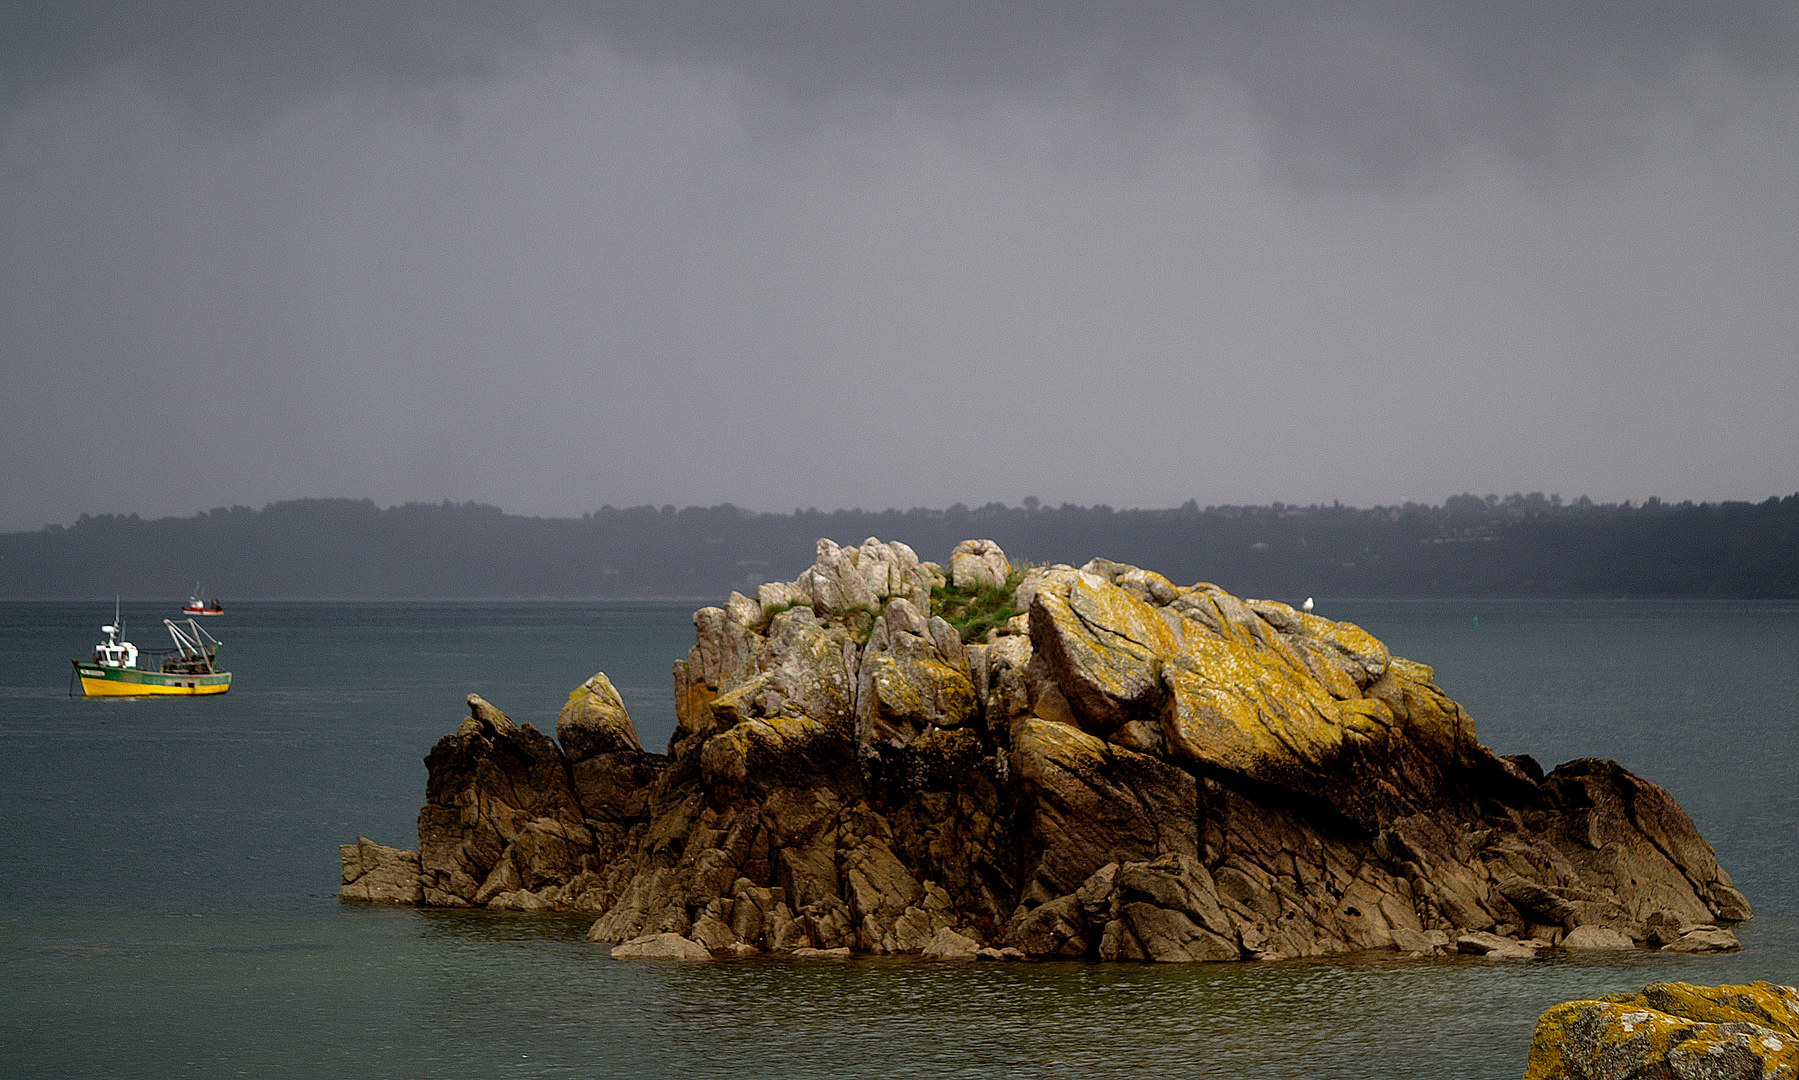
1520, 546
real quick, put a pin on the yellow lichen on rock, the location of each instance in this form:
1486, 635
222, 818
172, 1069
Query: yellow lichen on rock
594, 719
769, 747
1129, 624
1035, 740
922, 689
1762, 1003
1254, 687
1674, 1030
1242, 708
1423, 714
914, 674
1105, 673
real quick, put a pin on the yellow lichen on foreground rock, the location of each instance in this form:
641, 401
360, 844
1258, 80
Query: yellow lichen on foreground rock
1129, 769
1671, 1030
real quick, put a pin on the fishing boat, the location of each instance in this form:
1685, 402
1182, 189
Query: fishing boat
120, 669
201, 604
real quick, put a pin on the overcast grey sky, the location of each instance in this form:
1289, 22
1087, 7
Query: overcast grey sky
549, 255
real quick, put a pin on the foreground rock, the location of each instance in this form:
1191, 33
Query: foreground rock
1671, 1030
661, 947
379, 875
890, 757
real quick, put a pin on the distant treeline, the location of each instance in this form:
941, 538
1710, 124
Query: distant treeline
1518, 546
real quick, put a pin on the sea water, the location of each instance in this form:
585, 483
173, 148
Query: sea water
168, 867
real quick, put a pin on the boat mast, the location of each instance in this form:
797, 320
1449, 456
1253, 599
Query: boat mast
195, 644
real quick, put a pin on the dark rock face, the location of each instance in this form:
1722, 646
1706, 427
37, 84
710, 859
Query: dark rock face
500, 816
510, 822
1129, 770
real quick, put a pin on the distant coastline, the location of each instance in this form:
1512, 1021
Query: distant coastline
1518, 547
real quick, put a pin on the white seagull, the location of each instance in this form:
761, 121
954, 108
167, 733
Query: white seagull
1307, 606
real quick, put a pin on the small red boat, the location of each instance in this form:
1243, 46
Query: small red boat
201, 604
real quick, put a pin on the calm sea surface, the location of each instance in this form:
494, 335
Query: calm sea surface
168, 868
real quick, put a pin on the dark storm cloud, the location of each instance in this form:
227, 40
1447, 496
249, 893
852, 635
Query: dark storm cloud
1349, 91
551, 256
1354, 91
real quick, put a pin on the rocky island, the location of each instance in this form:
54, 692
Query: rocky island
982, 760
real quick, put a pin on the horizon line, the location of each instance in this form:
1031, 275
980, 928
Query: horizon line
1028, 504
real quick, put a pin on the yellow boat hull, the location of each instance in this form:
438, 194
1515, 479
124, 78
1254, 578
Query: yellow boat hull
100, 681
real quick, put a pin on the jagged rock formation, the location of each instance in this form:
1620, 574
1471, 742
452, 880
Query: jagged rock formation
1109, 766
1672, 1030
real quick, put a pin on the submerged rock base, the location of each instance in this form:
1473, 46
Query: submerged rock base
1052, 762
